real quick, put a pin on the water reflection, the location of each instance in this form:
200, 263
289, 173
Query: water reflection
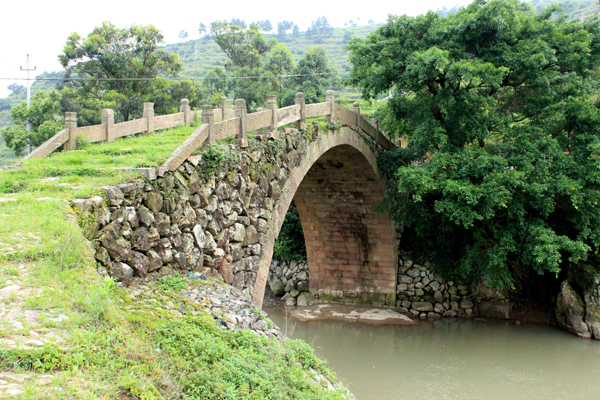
455, 359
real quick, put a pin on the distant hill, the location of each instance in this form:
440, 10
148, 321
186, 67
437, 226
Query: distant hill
576, 9
201, 55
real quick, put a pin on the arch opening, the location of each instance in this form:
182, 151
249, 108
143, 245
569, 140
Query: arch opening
351, 248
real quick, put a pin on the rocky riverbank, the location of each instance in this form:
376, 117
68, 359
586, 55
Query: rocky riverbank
420, 293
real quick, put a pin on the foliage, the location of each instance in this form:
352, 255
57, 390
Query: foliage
183, 35
265, 25
243, 47
201, 29
16, 89
283, 27
499, 103
314, 61
44, 118
319, 30
290, 244
115, 54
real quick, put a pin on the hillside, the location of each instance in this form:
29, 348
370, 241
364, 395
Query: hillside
201, 55
580, 9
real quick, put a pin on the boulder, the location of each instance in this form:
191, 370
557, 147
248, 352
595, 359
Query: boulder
139, 262
239, 233
591, 297
494, 309
119, 249
570, 311
155, 260
277, 286
302, 286
154, 201
303, 299
145, 216
122, 273
114, 196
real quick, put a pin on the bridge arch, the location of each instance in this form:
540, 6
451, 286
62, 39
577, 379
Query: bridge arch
351, 249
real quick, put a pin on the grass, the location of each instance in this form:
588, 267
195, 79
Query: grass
79, 172
112, 346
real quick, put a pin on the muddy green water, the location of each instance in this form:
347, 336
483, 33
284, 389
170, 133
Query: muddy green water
454, 359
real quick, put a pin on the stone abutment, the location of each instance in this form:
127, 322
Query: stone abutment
220, 214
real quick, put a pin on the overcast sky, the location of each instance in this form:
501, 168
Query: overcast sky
41, 27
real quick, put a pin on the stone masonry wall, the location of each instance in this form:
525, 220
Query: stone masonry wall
221, 212
289, 280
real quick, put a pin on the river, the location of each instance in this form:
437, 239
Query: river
454, 359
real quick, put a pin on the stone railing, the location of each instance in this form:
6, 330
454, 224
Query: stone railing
232, 123
272, 118
108, 131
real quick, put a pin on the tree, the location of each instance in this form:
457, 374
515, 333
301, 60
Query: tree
201, 29
239, 22
319, 29
115, 55
283, 27
317, 75
279, 61
295, 30
371, 22
215, 85
183, 35
265, 25
16, 89
243, 47
501, 104
44, 115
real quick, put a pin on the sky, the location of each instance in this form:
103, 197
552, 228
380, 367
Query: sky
40, 28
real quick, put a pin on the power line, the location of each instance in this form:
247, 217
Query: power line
171, 79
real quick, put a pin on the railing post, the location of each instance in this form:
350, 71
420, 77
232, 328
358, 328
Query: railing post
300, 100
208, 117
272, 131
357, 111
108, 120
71, 125
223, 107
330, 98
149, 115
241, 112
185, 109
375, 124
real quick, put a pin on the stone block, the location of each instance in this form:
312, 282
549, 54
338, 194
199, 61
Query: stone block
422, 306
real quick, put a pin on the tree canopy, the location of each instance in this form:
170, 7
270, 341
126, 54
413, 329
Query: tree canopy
114, 56
502, 106
266, 61
44, 115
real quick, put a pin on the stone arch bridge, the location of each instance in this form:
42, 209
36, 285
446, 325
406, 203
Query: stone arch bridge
220, 212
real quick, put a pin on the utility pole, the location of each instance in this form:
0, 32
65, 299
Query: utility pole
28, 100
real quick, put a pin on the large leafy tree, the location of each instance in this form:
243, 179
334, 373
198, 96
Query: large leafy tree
113, 54
501, 103
315, 73
44, 116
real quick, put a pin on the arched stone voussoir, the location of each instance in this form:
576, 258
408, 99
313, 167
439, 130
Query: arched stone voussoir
351, 248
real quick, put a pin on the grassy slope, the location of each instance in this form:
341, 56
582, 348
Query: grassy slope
110, 345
